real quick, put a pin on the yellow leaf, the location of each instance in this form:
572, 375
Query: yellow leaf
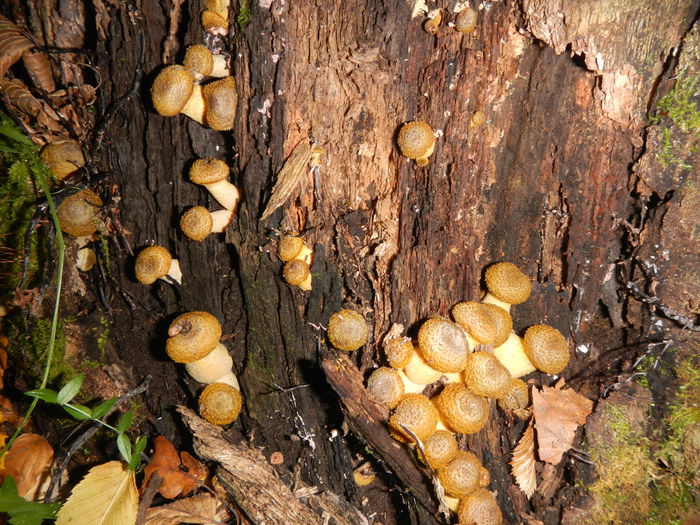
197, 509
107, 495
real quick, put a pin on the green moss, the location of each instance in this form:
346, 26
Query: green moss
103, 337
244, 15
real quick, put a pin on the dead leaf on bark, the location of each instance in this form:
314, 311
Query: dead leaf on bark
558, 413
167, 463
523, 462
202, 509
28, 462
13, 44
39, 69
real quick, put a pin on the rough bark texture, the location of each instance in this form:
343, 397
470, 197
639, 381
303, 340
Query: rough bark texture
546, 183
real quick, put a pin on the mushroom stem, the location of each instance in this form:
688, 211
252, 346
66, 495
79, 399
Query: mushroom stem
212, 367
230, 379
452, 503
174, 273
423, 160
221, 220
512, 355
492, 299
305, 254
225, 193
220, 68
194, 107
418, 371
85, 259
305, 285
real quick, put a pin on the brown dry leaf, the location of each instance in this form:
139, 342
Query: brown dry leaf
21, 97
558, 413
167, 463
28, 462
197, 509
107, 495
523, 462
39, 69
13, 44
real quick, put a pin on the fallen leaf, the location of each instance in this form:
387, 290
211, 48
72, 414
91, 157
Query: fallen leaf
13, 44
197, 509
28, 462
523, 462
107, 495
558, 413
168, 464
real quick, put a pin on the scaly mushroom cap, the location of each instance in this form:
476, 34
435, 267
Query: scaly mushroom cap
416, 140
462, 411
466, 20
192, 336
171, 90
386, 386
481, 508
295, 272
507, 282
208, 171
418, 414
196, 223
487, 323
461, 475
63, 157
214, 22
486, 376
220, 403
198, 59
398, 351
440, 448
221, 99
77, 213
152, 263
546, 348
517, 397
289, 247
443, 345
347, 330
484, 477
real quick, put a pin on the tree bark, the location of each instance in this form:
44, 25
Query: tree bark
547, 183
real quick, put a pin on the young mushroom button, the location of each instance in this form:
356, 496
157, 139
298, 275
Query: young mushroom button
462, 411
506, 285
417, 141
220, 403
63, 157
347, 330
155, 262
480, 507
443, 345
461, 476
77, 214
546, 348
192, 336
221, 101
198, 222
297, 273
174, 92
213, 174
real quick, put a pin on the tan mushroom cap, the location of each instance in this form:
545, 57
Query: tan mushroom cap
347, 330
171, 90
63, 157
289, 247
213, 22
295, 272
443, 345
466, 19
487, 323
517, 397
398, 351
507, 282
461, 410
546, 348
152, 263
486, 376
440, 448
386, 386
418, 414
196, 223
480, 507
208, 171
416, 140
461, 475
77, 214
198, 59
221, 99
192, 336
220, 403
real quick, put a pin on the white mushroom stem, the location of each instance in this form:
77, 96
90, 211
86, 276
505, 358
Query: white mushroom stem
512, 355
230, 379
306, 254
174, 273
409, 387
221, 220
85, 259
225, 193
453, 377
220, 68
212, 367
194, 107
491, 299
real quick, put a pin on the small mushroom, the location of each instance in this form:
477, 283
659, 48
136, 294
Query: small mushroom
200, 61
213, 175
297, 273
174, 92
63, 157
293, 247
198, 222
516, 399
546, 348
461, 475
432, 24
486, 376
507, 285
439, 449
416, 140
484, 323
461, 410
192, 336
220, 404
466, 19
443, 345
221, 101
77, 214
398, 351
155, 262
386, 386
219, 6
418, 414
347, 330
214, 23
480, 507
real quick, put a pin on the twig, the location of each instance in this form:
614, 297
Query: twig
668, 312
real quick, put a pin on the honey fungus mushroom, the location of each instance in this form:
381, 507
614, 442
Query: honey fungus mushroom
443, 345
465, 21
198, 223
220, 404
63, 157
416, 140
484, 323
155, 262
293, 247
174, 92
221, 102
461, 475
77, 214
214, 22
213, 175
507, 285
480, 507
546, 348
484, 375
200, 61
297, 273
347, 330
461, 410
386, 386
439, 449
416, 413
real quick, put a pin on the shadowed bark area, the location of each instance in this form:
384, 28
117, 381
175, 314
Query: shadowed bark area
546, 182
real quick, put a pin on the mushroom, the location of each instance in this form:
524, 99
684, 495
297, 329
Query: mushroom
155, 262
386, 386
516, 399
293, 247
512, 355
398, 351
418, 414
215, 367
484, 323
480, 507
506, 285
486, 376
297, 273
214, 23
432, 24
417, 141
221, 101
546, 348
219, 6
439, 449
220, 403
198, 222
63, 157
465, 22
200, 61
77, 214
192, 336
461, 475
462, 411
443, 345
174, 92
85, 259
213, 174
347, 330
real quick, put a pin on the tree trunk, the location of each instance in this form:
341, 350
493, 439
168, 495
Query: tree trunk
548, 182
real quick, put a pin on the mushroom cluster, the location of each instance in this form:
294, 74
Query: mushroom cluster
476, 358
297, 258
